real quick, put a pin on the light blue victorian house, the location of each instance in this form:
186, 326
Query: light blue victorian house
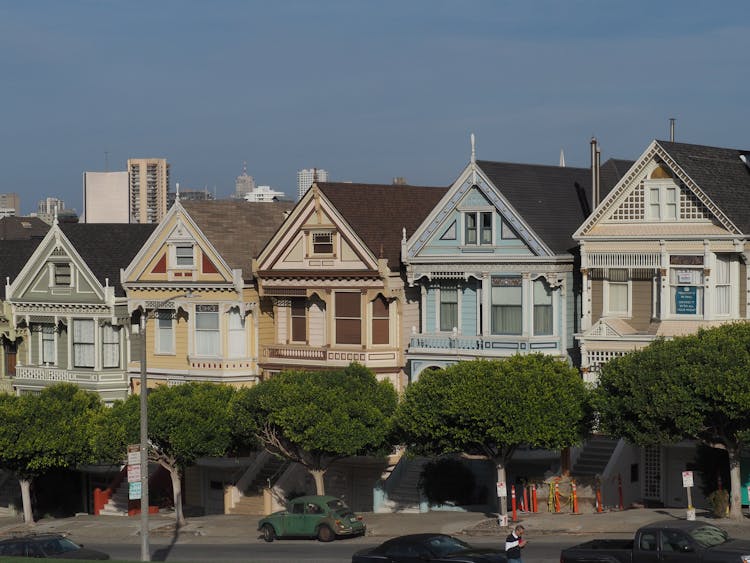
496, 264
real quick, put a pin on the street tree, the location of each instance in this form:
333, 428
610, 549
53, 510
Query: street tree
185, 422
692, 387
317, 417
491, 408
51, 430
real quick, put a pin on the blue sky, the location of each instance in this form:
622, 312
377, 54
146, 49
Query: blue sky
367, 90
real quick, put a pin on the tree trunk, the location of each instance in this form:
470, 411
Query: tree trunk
320, 486
735, 479
174, 473
502, 502
28, 515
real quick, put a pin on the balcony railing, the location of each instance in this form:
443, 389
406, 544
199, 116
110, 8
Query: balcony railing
482, 345
329, 356
50, 373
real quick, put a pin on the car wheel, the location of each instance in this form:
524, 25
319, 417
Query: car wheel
325, 534
268, 533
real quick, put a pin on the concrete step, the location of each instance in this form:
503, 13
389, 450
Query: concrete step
249, 506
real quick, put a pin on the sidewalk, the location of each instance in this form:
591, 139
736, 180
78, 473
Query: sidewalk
241, 528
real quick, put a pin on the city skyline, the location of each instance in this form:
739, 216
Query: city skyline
372, 91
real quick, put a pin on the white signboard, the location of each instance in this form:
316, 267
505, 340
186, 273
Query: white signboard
134, 491
502, 489
134, 458
134, 473
687, 478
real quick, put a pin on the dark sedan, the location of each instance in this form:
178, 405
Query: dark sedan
52, 546
428, 547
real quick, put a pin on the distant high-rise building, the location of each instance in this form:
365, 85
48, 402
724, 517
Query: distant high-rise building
189, 195
264, 193
10, 204
149, 183
49, 208
306, 177
244, 183
105, 197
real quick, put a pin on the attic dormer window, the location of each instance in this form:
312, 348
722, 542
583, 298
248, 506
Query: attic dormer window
322, 242
184, 256
62, 274
478, 227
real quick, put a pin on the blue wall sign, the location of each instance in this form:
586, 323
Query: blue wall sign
686, 300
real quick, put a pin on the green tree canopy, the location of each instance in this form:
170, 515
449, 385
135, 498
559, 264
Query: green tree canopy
185, 422
317, 417
52, 430
492, 407
693, 387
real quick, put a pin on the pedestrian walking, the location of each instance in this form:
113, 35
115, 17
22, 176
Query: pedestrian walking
513, 544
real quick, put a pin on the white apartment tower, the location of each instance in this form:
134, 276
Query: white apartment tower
149, 182
306, 177
105, 197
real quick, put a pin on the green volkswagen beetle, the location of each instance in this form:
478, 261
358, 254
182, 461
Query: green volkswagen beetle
322, 517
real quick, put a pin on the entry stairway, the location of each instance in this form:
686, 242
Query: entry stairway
251, 502
400, 485
594, 456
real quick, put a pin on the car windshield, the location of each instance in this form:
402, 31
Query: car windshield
55, 546
446, 545
709, 536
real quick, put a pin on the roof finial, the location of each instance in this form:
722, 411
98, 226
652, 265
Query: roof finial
55, 222
562, 158
244, 167
473, 149
177, 195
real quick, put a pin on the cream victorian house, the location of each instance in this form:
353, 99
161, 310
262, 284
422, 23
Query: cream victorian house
664, 254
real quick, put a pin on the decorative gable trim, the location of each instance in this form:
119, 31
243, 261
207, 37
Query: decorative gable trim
627, 183
474, 176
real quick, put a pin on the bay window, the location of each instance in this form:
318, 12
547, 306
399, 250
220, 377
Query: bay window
723, 304
236, 333
83, 343
110, 346
207, 333
48, 345
348, 318
299, 319
164, 334
507, 305
380, 321
542, 308
617, 288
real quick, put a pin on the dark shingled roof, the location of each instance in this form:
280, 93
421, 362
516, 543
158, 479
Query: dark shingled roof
22, 228
378, 212
238, 229
720, 174
107, 247
553, 200
13, 257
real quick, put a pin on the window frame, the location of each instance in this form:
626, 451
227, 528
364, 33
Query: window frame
476, 232
318, 248
663, 188
700, 294
297, 321
213, 334
180, 261
47, 334
380, 321
341, 321
541, 282
84, 347
607, 285
443, 303
164, 336
724, 285
236, 335
500, 282
109, 330
59, 276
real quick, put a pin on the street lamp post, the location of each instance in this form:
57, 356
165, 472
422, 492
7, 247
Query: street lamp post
145, 552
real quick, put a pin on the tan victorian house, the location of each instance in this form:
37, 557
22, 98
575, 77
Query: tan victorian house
332, 279
664, 254
193, 282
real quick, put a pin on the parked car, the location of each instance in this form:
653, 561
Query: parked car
428, 547
52, 546
669, 540
322, 517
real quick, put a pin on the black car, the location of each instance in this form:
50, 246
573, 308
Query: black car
428, 547
53, 546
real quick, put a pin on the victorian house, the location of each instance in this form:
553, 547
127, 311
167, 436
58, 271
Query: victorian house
191, 288
332, 279
495, 264
68, 307
664, 254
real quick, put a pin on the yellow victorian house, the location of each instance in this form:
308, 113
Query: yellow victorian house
193, 282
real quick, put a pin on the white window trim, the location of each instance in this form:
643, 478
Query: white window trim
478, 215
158, 351
734, 302
663, 185
41, 346
438, 303
605, 300
532, 328
231, 353
334, 242
371, 318
670, 302
196, 330
173, 256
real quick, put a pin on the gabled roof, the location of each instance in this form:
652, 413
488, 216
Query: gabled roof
553, 200
720, 173
107, 247
238, 229
22, 228
13, 257
379, 212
